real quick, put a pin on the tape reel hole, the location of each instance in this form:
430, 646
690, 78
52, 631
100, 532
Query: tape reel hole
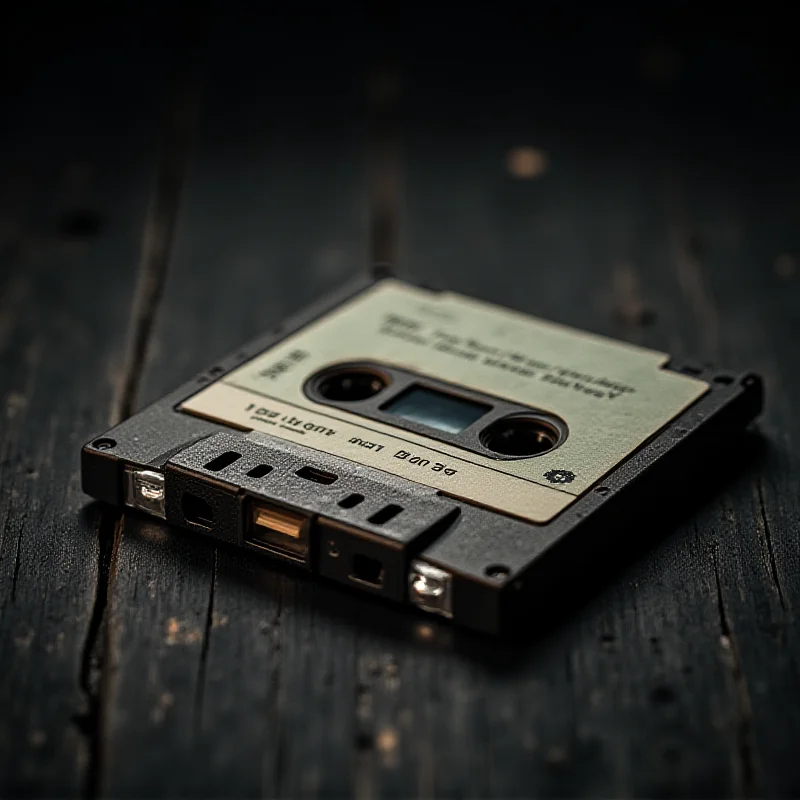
351, 385
518, 437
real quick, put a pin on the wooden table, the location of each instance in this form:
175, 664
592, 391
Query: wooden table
171, 187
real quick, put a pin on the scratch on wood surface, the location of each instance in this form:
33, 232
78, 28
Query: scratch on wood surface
772, 566
200, 690
21, 519
629, 305
33, 358
273, 729
744, 732
157, 241
159, 228
94, 669
687, 251
33, 354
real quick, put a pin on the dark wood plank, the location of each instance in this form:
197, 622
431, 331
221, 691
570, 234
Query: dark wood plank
616, 702
644, 691
142, 662
227, 682
636, 220
749, 241
79, 142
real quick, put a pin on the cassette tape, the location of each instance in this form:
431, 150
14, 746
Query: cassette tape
423, 447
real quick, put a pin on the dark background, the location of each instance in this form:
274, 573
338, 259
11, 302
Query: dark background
176, 180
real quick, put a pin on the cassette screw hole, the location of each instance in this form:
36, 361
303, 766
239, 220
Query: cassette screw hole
603, 490
333, 550
497, 572
104, 444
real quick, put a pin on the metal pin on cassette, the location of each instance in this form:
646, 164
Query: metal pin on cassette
430, 588
144, 489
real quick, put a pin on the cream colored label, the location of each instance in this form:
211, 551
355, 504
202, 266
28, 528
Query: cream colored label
613, 396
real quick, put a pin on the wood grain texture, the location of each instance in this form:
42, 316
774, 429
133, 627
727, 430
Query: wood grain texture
226, 669
643, 234
73, 206
593, 185
617, 702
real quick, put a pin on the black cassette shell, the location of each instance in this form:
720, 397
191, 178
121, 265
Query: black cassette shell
503, 569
